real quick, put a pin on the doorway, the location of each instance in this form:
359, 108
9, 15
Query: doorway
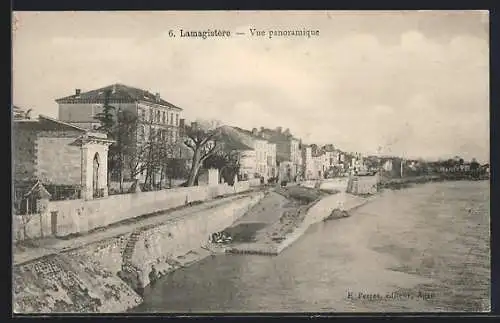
95, 176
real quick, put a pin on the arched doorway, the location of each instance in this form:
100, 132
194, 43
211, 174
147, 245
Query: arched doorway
95, 176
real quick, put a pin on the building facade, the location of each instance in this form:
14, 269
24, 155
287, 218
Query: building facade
156, 119
69, 161
257, 156
307, 163
153, 112
287, 150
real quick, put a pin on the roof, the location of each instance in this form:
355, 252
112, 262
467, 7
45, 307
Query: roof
276, 136
46, 123
38, 187
118, 92
249, 133
234, 139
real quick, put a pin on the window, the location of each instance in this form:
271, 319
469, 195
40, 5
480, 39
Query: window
171, 118
142, 133
151, 115
143, 115
167, 117
153, 134
163, 119
176, 119
158, 116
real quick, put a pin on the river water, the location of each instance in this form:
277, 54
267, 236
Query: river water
424, 248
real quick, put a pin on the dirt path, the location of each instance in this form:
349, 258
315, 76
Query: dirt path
45, 247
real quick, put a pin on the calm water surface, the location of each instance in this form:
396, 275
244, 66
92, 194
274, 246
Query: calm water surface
427, 247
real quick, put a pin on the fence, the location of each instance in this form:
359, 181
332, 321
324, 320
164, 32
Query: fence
62, 218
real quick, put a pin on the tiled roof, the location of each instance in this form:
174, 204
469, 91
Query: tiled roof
46, 123
248, 133
276, 136
234, 139
118, 92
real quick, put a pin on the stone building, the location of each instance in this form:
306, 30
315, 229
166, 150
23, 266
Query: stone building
70, 162
257, 156
157, 119
287, 149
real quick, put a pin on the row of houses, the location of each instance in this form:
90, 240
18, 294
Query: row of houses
69, 155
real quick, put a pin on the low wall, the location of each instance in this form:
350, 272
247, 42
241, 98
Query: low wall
254, 182
30, 227
241, 186
339, 184
78, 216
86, 279
362, 184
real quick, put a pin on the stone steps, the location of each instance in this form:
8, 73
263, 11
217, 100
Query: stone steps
128, 251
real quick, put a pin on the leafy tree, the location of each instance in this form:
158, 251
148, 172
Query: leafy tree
227, 162
106, 116
202, 140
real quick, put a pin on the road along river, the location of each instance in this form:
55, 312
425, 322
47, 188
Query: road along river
424, 248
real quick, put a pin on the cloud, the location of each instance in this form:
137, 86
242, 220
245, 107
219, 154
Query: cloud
417, 94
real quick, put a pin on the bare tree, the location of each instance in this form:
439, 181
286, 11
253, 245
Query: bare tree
201, 138
154, 155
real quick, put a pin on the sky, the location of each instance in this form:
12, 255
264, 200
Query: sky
406, 83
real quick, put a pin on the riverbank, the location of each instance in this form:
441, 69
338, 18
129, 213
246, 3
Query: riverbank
427, 248
399, 183
107, 271
288, 213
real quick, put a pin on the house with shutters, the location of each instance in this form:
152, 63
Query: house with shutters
157, 119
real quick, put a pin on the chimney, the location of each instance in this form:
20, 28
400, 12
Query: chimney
255, 132
77, 92
157, 97
278, 129
287, 132
114, 89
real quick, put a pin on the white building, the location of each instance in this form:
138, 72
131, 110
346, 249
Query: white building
272, 170
257, 155
308, 163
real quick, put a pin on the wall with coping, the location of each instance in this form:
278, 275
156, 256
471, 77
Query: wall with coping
160, 245
79, 216
86, 279
363, 184
339, 183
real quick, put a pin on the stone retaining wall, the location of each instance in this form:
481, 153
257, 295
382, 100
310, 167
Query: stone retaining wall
87, 279
62, 218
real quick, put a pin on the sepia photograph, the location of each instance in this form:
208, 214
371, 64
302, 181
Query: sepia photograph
250, 162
